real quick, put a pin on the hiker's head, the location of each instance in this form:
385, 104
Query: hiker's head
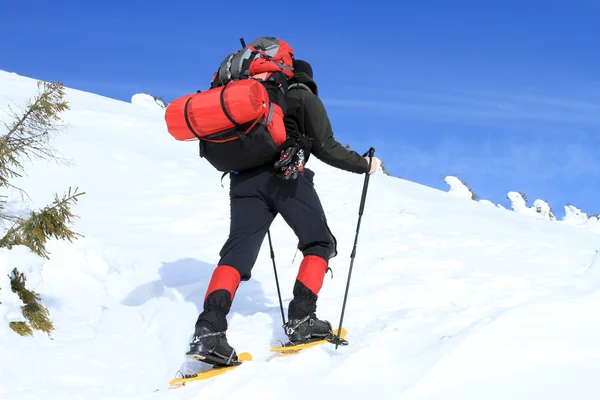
303, 66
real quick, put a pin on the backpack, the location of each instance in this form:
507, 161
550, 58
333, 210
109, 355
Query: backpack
239, 120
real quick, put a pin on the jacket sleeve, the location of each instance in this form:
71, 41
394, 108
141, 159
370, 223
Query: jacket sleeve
325, 147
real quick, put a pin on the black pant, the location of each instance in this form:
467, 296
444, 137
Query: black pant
257, 197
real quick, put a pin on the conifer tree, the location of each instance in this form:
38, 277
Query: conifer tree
27, 136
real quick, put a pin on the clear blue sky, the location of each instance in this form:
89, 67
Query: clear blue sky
505, 94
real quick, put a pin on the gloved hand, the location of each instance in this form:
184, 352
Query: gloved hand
291, 162
374, 164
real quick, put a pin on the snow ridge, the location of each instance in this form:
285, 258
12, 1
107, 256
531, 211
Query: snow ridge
540, 208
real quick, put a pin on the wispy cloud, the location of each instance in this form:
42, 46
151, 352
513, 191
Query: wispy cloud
545, 145
484, 107
557, 172
497, 157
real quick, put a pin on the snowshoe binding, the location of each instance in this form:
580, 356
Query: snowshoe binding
212, 348
307, 329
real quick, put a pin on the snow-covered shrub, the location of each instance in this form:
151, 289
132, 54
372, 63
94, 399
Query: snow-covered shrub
574, 215
383, 170
519, 205
459, 188
148, 100
544, 210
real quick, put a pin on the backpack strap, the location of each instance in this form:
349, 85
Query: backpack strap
225, 174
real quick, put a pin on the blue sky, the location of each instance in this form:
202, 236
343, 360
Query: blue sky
505, 94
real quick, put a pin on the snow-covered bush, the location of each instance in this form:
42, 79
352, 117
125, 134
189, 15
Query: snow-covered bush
148, 100
574, 215
540, 209
544, 210
519, 204
459, 188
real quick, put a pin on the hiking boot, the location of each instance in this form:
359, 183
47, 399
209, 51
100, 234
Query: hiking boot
307, 329
211, 347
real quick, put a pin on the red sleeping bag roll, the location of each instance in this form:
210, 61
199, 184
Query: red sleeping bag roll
219, 110
237, 124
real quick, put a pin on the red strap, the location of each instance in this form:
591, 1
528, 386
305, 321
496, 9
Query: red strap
224, 277
312, 272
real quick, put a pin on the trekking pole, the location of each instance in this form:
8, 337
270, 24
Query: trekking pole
276, 279
337, 340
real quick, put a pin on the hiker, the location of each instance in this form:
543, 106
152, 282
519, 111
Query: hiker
257, 196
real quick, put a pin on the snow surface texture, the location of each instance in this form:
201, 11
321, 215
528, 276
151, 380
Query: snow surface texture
450, 298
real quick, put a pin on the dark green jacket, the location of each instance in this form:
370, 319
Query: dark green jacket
307, 110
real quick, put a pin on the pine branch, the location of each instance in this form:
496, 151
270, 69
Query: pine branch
20, 123
36, 314
50, 222
28, 135
10, 218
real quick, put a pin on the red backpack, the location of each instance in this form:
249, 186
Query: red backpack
239, 120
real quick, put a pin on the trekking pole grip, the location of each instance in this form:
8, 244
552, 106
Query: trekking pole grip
363, 198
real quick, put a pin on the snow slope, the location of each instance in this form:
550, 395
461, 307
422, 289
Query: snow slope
450, 298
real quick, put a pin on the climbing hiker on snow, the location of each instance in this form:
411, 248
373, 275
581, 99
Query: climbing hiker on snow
257, 196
